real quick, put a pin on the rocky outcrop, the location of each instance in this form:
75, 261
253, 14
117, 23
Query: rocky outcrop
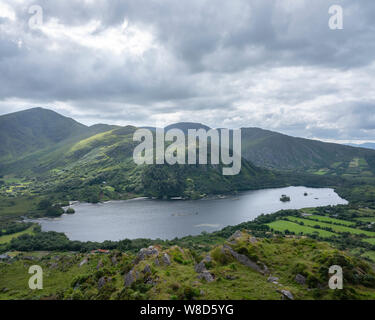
145, 253
300, 279
147, 269
99, 265
131, 277
286, 294
83, 262
202, 271
166, 259
102, 281
274, 280
241, 258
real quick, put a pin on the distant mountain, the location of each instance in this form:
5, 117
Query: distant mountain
38, 140
185, 126
274, 150
32, 130
367, 145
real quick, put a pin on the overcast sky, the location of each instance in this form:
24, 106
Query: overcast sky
273, 64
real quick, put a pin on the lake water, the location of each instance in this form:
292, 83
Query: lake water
145, 218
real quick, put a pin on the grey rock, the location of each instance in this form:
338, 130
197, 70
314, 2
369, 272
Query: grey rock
101, 283
114, 260
146, 253
300, 279
166, 259
236, 235
4, 257
83, 262
53, 265
230, 277
241, 258
272, 279
156, 261
253, 240
147, 269
130, 278
200, 267
99, 265
286, 294
206, 276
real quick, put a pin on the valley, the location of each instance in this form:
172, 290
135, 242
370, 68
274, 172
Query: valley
44, 167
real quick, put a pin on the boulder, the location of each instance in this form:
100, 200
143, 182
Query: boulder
147, 269
300, 279
273, 279
206, 276
166, 259
114, 260
241, 258
83, 262
286, 294
130, 278
101, 283
100, 265
146, 253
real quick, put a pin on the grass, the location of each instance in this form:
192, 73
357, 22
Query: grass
7, 238
330, 220
370, 240
282, 225
334, 227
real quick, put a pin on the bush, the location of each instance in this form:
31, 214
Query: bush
70, 211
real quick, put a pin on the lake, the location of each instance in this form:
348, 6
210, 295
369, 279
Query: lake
146, 218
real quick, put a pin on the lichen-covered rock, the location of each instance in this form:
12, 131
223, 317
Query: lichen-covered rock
300, 279
206, 276
241, 258
131, 277
147, 269
166, 259
83, 262
146, 253
114, 260
273, 279
101, 283
286, 294
99, 265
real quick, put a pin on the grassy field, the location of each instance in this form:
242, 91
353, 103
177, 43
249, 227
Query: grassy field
330, 220
282, 225
370, 240
8, 237
334, 227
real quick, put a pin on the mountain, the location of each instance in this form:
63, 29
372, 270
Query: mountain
26, 132
67, 156
185, 126
367, 145
278, 151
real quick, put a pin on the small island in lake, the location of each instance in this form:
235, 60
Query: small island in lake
284, 198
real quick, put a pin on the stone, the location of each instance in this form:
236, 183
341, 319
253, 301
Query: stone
253, 240
130, 278
101, 283
286, 294
147, 269
300, 279
100, 265
206, 276
200, 267
83, 262
166, 259
156, 261
146, 253
241, 258
114, 260
273, 279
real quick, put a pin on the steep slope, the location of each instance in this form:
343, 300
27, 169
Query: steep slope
34, 129
274, 150
367, 145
